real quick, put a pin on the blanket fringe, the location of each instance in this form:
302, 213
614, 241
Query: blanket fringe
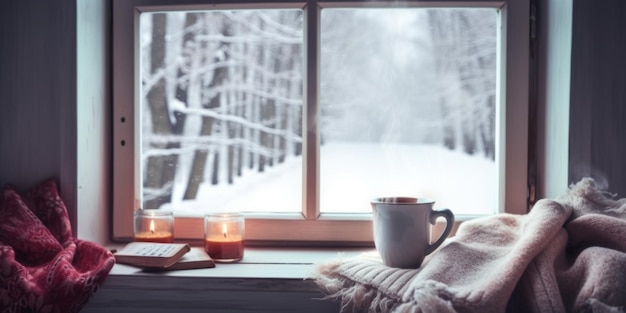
587, 197
360, 298
354, 297
596, 306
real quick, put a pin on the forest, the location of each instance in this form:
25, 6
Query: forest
222, 92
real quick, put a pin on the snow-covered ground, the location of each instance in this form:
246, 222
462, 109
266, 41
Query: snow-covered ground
353, 173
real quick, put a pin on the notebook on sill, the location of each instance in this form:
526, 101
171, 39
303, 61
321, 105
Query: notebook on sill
150, 254
194, 259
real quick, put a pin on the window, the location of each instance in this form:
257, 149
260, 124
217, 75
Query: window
299, 114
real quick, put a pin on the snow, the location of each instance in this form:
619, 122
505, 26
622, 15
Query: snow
353, 173
395, 85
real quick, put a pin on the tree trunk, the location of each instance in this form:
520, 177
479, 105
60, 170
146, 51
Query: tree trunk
160, 170
198, 163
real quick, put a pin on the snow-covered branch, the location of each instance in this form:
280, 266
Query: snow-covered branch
240, 121
208, 144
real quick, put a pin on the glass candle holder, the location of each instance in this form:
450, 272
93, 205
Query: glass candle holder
154, 226
223, 236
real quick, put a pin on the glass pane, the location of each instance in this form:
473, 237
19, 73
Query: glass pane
221, 110
408, 105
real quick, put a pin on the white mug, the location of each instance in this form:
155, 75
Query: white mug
402, 229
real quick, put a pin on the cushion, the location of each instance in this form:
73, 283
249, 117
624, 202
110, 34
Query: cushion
43, 268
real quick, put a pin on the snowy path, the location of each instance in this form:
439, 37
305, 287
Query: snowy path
353, 173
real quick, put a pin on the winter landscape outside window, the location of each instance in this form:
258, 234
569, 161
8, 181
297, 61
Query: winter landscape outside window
242, 109
407, 107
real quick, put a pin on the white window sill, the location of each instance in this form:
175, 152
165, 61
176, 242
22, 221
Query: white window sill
266, 280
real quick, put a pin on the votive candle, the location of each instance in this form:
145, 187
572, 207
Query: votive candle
224, 236
154, 226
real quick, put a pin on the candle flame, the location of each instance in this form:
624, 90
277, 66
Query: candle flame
152, 226
224, 229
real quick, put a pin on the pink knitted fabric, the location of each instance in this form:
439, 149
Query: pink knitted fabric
43, 268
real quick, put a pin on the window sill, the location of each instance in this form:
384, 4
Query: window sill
266, 280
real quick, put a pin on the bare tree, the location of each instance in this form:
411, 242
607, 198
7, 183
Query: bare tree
213, 101
160, 169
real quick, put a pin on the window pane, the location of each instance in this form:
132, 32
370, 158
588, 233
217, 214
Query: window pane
408, 107
221, 110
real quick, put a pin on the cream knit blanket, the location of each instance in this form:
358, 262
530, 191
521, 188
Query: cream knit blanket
565, 255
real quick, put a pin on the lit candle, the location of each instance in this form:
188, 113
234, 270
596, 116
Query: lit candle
224, 233
160, 226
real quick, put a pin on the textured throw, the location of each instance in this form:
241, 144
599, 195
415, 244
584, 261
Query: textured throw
565, 255
43, 268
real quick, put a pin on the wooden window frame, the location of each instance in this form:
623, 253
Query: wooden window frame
312, 227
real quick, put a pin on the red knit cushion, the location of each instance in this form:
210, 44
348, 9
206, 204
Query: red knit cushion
42, 267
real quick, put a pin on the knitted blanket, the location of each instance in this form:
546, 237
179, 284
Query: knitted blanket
565, 255
43, 268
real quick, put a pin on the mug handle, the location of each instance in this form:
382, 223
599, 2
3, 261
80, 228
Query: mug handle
447, 214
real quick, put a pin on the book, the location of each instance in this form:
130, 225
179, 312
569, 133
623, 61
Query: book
194, 259
151, 254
